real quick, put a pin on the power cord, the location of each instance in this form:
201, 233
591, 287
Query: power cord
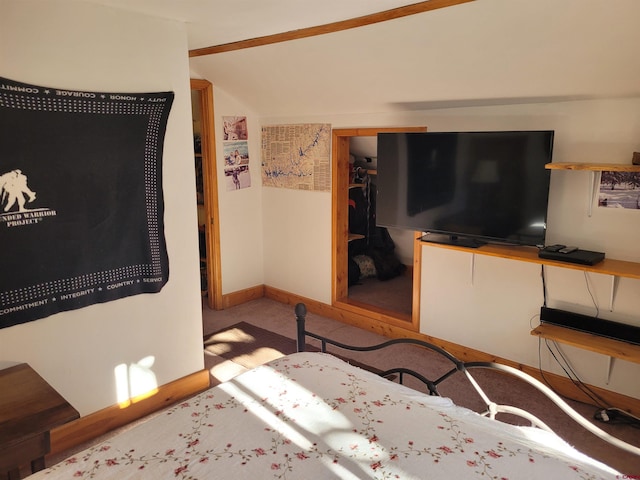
604, 412
595, 304
614, 415
544, 285
571, 375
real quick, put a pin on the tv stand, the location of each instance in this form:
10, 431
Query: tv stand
454, 240
614, 268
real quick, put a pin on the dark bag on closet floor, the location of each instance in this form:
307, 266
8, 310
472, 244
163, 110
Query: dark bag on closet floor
354, 271
387, 264
382, 252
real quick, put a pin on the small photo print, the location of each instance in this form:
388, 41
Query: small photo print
236, 153
236, 165
235, 128
619, 190
237, 177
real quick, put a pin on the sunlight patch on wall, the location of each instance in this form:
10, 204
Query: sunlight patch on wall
135, 382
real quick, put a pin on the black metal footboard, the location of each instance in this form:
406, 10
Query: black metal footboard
492, 408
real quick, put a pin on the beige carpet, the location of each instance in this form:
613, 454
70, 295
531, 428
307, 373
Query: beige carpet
395, 294
248, 345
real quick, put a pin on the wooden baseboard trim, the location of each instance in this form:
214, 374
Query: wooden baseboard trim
562, 385
242, 296
103, 421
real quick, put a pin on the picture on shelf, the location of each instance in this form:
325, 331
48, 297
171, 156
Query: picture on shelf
619, 190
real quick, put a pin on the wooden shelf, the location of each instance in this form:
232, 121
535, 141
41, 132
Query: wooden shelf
355, 236
608, 266
588, 341
593, 167
367, 171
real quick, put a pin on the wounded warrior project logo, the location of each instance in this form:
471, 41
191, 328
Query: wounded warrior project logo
15, 194
64, 244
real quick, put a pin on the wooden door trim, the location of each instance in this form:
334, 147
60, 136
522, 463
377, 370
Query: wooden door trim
340, 230
210, 185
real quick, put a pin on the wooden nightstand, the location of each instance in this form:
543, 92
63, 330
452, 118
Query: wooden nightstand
29, 409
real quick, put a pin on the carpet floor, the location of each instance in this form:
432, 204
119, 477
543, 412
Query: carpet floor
248, 345
395, 294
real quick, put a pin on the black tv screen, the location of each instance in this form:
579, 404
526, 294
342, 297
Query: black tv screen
468, 188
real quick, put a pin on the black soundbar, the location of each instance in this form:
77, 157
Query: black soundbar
596, 326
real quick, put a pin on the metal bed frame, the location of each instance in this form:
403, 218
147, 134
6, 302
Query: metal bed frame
492, 408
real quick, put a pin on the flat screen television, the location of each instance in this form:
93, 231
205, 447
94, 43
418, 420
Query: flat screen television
466, 188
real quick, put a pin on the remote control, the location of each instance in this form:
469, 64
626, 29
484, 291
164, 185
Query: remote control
554, 248
568, 249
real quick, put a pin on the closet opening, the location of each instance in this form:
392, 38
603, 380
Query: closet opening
376, 270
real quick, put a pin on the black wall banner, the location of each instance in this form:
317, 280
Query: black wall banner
81, 204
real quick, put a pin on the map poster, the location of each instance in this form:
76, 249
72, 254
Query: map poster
81, 200
297, 156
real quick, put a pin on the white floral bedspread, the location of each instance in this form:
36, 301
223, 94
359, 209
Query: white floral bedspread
312, 416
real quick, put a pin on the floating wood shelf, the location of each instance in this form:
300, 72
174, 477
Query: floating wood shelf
593, 167
588, 341
616, 269
609, 266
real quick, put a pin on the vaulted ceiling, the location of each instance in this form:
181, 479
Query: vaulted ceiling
216, 22
477, 53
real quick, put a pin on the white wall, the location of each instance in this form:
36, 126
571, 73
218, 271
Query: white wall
494, 309
256, 220
240, 210
295, 241
72, 45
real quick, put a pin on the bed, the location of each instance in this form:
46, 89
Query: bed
313, 415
